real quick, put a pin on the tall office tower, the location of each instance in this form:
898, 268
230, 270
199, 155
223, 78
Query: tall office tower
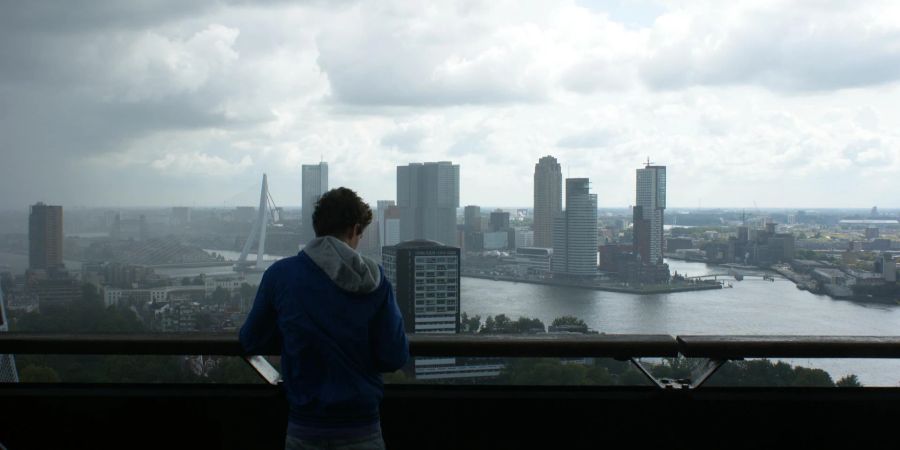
428, 195
648, 214
315, 183
575, 231
391, 226
472, 236
380, 210
8, 373
45, 237
472, 218
547, 199
499, 220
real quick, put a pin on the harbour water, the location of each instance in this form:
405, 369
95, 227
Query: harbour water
753, 306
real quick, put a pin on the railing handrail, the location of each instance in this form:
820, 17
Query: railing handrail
748, 346
620, 346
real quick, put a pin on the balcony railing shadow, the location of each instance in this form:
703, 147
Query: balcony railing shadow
670, 413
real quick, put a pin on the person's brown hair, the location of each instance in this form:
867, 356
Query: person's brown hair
338, 210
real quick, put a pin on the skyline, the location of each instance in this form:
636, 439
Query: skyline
784, 105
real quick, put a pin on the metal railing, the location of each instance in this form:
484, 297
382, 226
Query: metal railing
715, 349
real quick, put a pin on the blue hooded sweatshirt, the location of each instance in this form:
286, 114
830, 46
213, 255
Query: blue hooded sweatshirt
333, 315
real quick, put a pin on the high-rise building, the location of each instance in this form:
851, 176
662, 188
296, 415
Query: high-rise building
391, 226
888, 268
370, 241
472, 233
380, 210
575, 232
547, 199
499, 220
648, 214
315, 183
425, 277
45, 237
428, 195
472, 218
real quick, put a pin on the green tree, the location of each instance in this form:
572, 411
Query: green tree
469, 324
568, 321
848, 381
501, 324
528, 325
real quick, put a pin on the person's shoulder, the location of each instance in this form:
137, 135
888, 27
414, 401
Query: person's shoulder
287, 263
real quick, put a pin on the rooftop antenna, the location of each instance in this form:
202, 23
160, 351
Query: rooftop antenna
647, 164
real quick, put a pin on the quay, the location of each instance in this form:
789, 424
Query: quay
609, 287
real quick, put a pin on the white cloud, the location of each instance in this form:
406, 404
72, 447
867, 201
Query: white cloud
182, 164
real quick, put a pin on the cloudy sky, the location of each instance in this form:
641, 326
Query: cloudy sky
156, 103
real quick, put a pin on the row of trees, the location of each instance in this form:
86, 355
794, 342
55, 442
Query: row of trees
501, 324
554, 371
547, 371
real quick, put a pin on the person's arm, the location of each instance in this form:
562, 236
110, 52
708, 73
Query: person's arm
389, 341
260, 333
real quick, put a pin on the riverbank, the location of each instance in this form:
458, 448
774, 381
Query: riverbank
607, 287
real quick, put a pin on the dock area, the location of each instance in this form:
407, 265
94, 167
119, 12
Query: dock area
605, 286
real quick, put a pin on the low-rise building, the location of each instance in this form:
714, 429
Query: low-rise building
534, 259
230, 283
115, 296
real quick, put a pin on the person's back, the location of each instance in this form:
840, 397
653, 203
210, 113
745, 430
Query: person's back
335, 318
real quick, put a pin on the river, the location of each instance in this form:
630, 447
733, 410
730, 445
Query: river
753, 306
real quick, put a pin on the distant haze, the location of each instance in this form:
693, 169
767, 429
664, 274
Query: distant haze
780, 104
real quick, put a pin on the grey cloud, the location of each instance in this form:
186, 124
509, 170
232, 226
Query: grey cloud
380, 61
62, 16
406, 139
586, 139
471, 143
598, 75
867, 153
790, 50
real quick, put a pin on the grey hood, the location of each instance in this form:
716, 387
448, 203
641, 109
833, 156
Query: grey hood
348, 269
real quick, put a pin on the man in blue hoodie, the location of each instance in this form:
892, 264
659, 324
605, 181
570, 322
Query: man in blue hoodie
333, 315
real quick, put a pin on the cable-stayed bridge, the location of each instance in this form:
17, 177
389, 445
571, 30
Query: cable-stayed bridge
266, 213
